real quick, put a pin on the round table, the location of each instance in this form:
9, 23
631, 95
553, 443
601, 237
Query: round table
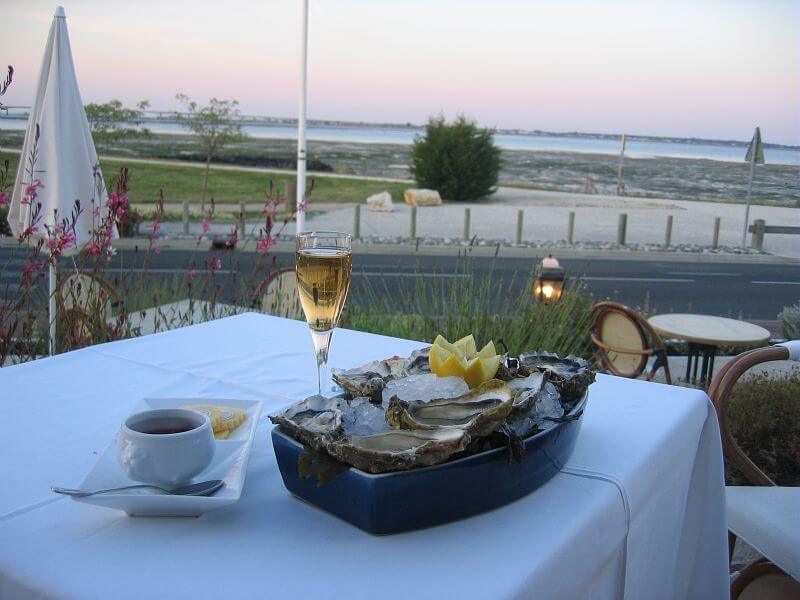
705, 334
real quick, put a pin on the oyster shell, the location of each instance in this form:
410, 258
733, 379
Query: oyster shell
478, 412
433, 418
369, 379
315, 421
399, 450
571, 375
419, 362
526, 389
543, 410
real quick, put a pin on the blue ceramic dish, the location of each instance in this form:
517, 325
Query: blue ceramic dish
405, 500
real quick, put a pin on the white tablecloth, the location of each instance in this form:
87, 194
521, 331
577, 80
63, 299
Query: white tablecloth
638, 511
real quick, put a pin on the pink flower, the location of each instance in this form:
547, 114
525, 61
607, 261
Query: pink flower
156, 250
31, 192
96, 212
192, 273
206, 225
156, 226
3, 198
218, 264
30, 269
264, 245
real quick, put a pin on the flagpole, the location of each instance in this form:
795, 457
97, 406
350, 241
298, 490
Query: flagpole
749, 192
300, 219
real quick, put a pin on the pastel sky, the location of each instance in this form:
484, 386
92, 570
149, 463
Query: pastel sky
704, 68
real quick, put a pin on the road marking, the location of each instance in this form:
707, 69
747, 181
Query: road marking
644, 279
704, 274
382, 274
777, 282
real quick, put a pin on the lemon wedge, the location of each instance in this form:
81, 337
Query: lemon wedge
487, 351
481, 369
461, 359
467, 346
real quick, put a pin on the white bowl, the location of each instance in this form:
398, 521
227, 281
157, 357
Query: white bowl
166, 459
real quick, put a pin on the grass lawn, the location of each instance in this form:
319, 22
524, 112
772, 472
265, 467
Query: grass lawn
186, 183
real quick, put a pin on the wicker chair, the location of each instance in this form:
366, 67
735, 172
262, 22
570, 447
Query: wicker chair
753, 512
277, 295
86, 303
625, 341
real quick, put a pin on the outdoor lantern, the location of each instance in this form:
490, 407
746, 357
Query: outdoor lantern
549, 283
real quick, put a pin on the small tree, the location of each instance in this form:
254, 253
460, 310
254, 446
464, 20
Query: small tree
458, 159
216, 124
111, 121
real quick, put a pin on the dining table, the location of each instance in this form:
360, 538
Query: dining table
638, 510
704, 335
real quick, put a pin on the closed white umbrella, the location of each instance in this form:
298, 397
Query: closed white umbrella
65, 158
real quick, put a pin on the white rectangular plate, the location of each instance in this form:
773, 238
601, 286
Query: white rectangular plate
229, 464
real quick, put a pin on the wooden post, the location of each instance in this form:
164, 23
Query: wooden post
357, 222
242, 219
758, 234
412, 232
466, 223
571, 228
715, 240
622, 229
519, 226
185, 218
668, 236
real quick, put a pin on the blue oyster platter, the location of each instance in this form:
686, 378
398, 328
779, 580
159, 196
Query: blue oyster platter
403, 449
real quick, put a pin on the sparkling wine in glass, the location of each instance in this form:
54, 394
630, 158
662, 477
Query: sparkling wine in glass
323, 263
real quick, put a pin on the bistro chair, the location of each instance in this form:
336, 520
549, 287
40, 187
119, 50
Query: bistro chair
278, 295
761, 514
86, 303
92, 293
625, 341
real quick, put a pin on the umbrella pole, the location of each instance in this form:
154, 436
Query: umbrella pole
300, 218
749, 192
52, 309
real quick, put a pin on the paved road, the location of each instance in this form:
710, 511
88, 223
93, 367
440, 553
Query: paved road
747, 290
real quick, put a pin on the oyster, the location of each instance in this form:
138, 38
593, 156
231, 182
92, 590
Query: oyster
571, 375
399, 450
315, 421
397, 415
543, 410
526, 389
419, 362
369, 379
478, 412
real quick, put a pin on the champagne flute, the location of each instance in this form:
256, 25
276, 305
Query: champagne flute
323, 264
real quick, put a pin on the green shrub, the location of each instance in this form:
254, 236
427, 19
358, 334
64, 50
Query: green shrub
465, 301
790, 319
764, 417
458, 159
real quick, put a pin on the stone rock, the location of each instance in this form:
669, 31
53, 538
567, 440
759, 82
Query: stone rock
380, 202
422, 197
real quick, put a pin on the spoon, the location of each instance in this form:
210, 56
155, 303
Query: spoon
204, 488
